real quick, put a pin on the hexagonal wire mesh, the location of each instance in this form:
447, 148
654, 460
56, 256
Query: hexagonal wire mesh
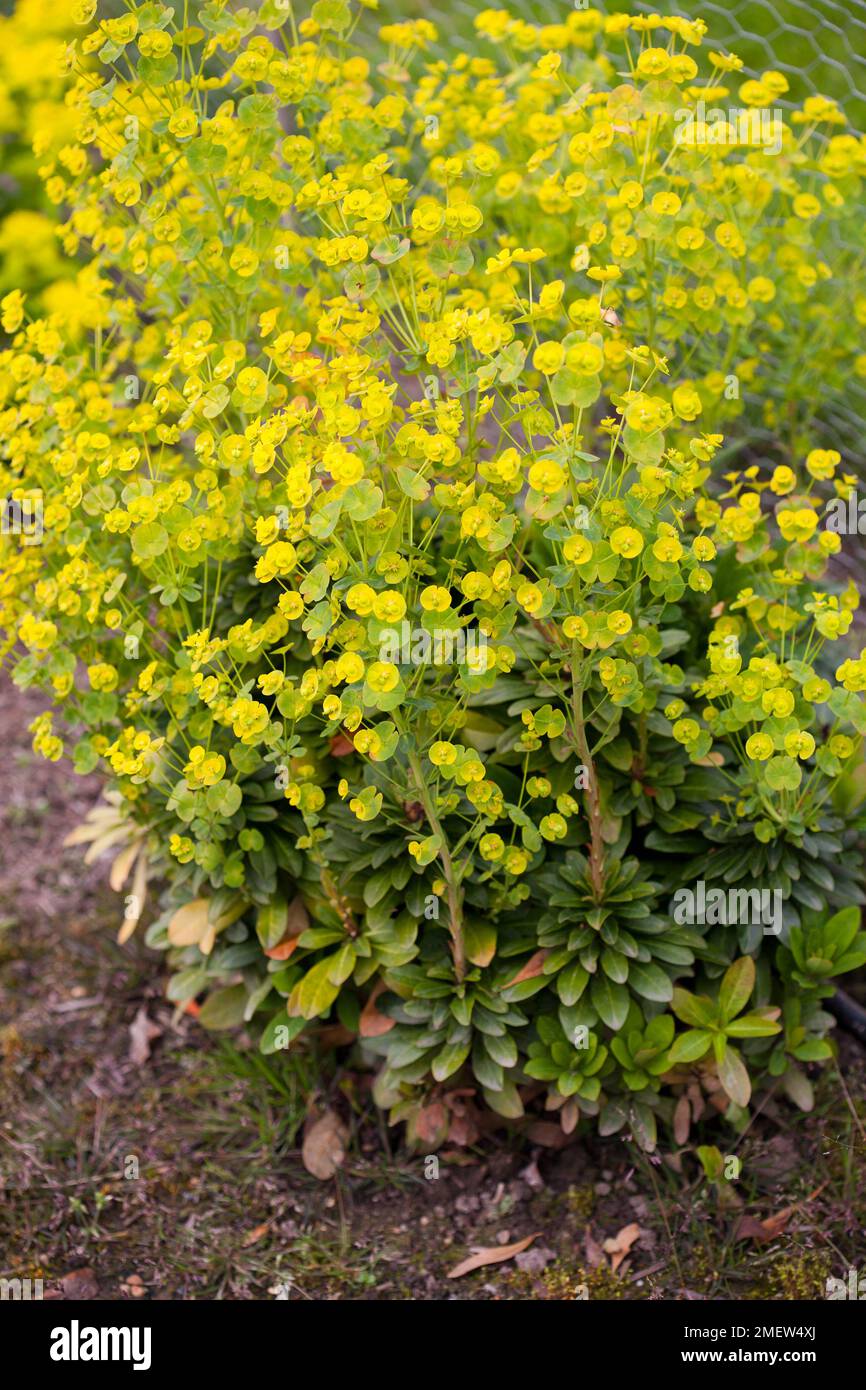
820, 46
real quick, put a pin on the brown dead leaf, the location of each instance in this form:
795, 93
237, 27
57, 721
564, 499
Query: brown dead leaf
283, 951
569, 1116
372, 1023
297, 922
142, 1032
750, 1228
135, 900
255, 1234
297, 917
682, 1120
547, 1135
122, 864
324, 1147
491, 1255
79, 1283
619, 1245
430, 1124
532, 968
341, 745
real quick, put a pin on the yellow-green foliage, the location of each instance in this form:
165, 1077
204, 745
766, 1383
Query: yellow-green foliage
390, 570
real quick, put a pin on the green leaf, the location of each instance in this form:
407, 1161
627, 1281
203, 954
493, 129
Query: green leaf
571, 388
271, 922
711, 1161
149, 540
643, 1124
842, 928
158, 71
411, 484
650, 982
502, 1049
316, 992
758, 1024
224, 1008
734, 1077
610, 1000
390, 249
695, 1009
783, 773
280, 1031
479, 939
690, 1046
204, 157
361, 282
571, 982
505, 1102
449, 257
449, 1060
342, 963
332, 14
736, 987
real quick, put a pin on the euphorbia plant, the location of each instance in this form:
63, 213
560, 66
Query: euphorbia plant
391, 572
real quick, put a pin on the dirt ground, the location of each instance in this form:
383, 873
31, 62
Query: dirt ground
142, 1158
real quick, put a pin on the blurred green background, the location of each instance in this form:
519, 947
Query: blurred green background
820, 46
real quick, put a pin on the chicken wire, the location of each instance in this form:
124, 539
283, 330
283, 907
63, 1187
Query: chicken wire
820, 46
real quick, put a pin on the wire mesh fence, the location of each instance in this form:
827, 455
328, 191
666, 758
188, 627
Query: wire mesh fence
820, 47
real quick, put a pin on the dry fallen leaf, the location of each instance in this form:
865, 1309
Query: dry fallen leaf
682, 1120
492, 1255
79, 1283
431, 1123
750, 1228
255, 1234
548, 1136
324, 1147
142, 1032
619, 1245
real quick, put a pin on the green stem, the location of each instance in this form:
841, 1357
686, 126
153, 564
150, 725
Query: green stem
596, 842
455, 895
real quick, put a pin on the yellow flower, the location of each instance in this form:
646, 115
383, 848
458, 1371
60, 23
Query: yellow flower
619, 622
383, 677
587, 359
183, 122
244, 261
547, 476
653, 62
626, 541
577, 550
759, 747
389, 607
799, 745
